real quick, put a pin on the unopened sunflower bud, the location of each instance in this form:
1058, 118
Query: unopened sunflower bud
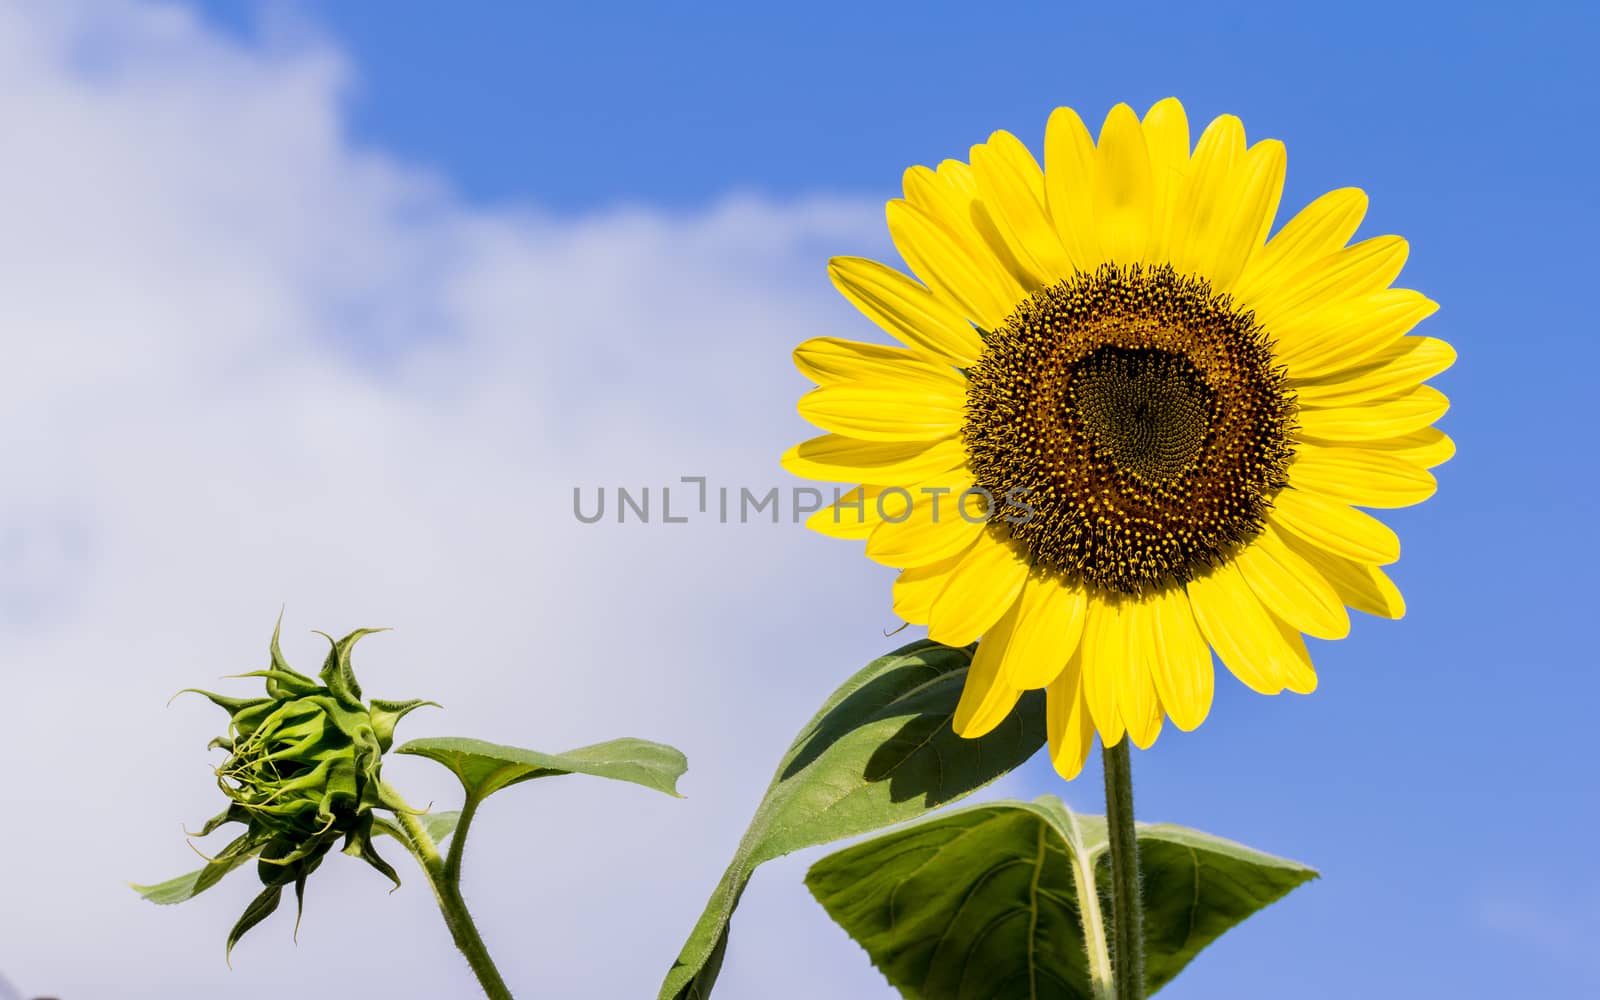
303, 772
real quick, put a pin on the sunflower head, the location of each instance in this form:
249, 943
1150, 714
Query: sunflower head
303, 771
1186, 413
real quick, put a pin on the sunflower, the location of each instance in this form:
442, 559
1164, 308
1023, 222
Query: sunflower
1124, 429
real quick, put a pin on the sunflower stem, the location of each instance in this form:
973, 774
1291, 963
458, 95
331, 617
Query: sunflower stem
445, 878
1127, 908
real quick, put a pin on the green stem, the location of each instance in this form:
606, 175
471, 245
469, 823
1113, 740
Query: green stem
1127, 908
458, 840
445, 877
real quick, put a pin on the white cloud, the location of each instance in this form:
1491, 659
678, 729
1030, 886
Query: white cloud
249, 363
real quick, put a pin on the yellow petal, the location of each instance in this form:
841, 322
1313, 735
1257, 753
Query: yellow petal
1301, 677
1320, 228
1291, 588
1359, 585
1244, 634
972, 281
957, 176
1182, 669
856, 514
1360, 476
909, 312
1428, 447
916, 589
853, 515
1069, 186
934, 528
983, 585
1010, 187
850, 460
1203, 214
1349, 273
1347, 332
1398, 368
946, 194
827, 360
1049, 627
950, 197
1375, 421
1123, 188
1136, 692
887, 411
1166, 133
1252, 197
1067, 720
1341, 530
1104, 657
986, 698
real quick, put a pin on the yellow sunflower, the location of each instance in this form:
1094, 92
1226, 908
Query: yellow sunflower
1125, 428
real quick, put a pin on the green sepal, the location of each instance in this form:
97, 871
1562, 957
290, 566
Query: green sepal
387, 714
281, 673
281, 685
259, 909
337, 673
358, 844
186, 887
233, 706
235, 813
299, 903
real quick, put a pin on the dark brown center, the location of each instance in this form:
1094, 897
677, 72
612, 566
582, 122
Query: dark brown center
1141, 420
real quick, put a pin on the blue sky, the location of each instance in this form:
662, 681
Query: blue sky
575, 106
1442, 778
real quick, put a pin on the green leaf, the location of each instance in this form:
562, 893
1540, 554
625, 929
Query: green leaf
485, 768
880, 751
1196, 886
1004, 900
440, 825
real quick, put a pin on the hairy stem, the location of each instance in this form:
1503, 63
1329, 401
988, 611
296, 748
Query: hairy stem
445, 877
458, 841
1127, 908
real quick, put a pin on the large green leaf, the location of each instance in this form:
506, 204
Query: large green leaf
1005, 900
880, 751
485, 768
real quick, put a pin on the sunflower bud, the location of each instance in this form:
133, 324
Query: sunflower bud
303, 773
